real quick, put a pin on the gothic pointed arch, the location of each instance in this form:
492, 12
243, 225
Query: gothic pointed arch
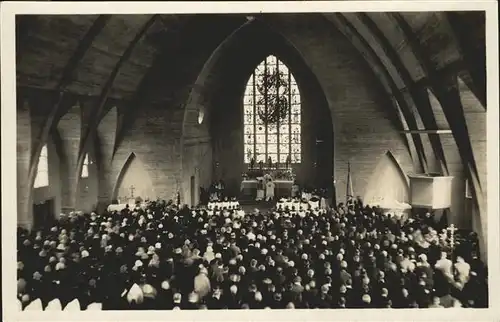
272, 114
133, 181
388, 184
123, 170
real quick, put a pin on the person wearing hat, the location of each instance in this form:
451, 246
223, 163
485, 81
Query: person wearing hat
296, 289
216, 300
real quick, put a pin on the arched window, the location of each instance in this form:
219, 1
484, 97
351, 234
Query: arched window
42, 170
271, 121
85, 167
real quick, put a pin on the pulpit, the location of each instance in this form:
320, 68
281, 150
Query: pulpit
431, 193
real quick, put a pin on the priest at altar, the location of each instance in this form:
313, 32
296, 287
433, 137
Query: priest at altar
270, 189
266, 188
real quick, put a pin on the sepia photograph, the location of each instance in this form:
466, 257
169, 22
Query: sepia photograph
249, 159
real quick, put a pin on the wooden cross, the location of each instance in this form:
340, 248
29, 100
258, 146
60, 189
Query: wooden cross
132, 188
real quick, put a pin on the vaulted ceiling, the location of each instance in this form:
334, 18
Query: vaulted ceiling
114, 54
86, 54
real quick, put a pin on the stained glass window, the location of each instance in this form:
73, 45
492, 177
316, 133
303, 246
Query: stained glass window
272, 114
85, 167
42, 171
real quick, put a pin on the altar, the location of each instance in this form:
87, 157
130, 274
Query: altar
282, 188
131, 205
281, 175
131, 202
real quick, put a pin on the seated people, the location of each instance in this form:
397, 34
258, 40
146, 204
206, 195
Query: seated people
166, 257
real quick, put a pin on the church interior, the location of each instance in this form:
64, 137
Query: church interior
211, 161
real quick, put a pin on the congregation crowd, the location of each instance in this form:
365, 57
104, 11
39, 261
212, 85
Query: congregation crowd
167, 257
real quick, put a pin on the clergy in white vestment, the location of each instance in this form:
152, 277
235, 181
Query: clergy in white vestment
270, 190
225, 203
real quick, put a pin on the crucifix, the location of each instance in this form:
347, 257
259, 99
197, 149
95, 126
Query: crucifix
452, 230
132, 188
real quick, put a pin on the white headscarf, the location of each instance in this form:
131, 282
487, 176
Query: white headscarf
94, 307
36, 305
73, 306
135, 294
54, 305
